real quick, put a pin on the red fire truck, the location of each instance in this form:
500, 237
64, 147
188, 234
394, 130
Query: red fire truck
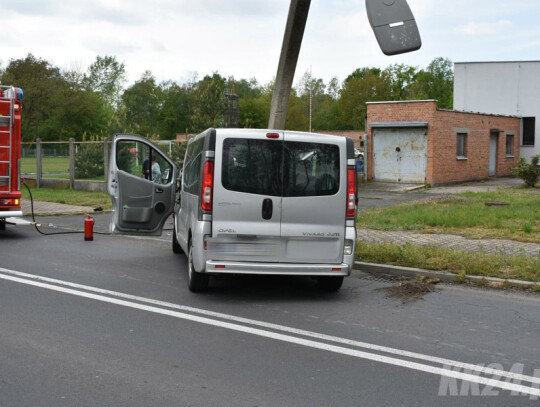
10, 153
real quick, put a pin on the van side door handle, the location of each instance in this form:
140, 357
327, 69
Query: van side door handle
267, 209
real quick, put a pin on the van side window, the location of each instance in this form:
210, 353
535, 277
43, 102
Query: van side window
311, 169
192, 166
252, 166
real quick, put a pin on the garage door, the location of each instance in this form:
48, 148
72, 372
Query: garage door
400, 154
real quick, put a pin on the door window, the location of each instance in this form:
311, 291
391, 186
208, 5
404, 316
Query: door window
311, 169
142, 161
252, 166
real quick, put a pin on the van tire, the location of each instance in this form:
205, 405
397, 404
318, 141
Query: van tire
197, 282
176, 248
328, 283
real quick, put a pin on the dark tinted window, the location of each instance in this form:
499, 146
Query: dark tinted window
252, 166
529, 124
311, 169
192, 166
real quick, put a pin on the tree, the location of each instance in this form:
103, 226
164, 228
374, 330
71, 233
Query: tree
401, 78
296, 114
436, 82
209, 102
245, 88
175, 110
363, 85
142, 103
74, 114
40, 82
106, 76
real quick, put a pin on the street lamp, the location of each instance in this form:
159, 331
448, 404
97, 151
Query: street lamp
392, 22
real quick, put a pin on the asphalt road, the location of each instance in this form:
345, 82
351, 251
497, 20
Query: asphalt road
112, 323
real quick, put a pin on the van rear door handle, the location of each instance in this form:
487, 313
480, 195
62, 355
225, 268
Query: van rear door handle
267, 209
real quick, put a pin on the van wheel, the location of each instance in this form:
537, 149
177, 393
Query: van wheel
328, 283
175, 245
197, 282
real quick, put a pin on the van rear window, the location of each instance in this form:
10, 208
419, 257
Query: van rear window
252, 166
290, 169
311, 169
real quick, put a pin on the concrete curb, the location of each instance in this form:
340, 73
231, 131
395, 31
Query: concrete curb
399, 271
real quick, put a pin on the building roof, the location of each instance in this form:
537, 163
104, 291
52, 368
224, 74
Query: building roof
496, 62
401, 101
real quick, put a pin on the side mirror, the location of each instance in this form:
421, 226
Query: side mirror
166, 174
394, 26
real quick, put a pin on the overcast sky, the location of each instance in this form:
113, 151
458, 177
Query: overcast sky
176, 39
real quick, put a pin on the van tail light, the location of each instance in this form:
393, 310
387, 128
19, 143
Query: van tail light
207, 186
351, 192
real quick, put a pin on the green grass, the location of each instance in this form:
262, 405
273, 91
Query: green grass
464, 214
458, 262
70, 197
49, 164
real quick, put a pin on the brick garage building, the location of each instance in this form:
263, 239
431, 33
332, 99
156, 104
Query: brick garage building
414, 142
357, 136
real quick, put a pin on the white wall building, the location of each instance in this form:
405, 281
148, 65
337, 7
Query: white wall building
505, 88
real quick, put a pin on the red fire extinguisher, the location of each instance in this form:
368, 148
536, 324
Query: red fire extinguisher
89, 228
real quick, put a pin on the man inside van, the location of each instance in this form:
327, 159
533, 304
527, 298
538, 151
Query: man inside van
156, 171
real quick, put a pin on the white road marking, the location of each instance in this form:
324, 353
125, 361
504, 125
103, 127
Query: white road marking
34, 280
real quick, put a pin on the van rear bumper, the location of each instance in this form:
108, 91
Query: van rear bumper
291, 269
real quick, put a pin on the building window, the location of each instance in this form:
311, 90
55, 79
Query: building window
462, 145
509, 145
529, 124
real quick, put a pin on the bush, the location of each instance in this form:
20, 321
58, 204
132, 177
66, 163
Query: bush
89, 161
529, 173
178, 152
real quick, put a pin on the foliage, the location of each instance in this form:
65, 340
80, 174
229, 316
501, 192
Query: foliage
40, 82
142, 102
529, 173
178, 153
175, 111
401, 77
73, 114
59, 104
89, 161
209, 102
435, 82
363, 85
106, 77
254, 112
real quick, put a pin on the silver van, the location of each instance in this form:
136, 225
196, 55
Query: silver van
248, 202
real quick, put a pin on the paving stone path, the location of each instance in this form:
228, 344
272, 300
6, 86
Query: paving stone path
486, 245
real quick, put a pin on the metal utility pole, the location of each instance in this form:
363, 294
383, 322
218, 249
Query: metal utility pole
292, 40
392, 22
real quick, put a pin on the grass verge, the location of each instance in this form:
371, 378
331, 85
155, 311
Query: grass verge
465, 214
70, 197
458, 262
49, 164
